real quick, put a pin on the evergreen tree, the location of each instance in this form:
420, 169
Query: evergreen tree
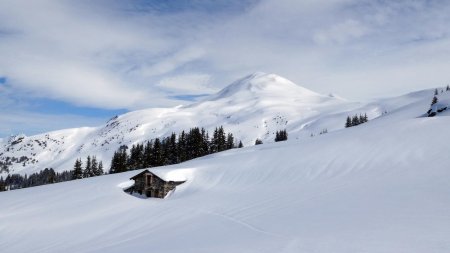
214, 141
348, 123
219, 140
148, 153
172, 149
194, 143
96, 170
114, 163
281, 135
77, 170
182, 147
240, 144
157, 158
88, 169
205, 142
434, 100
119, 162
123, 161
436, 92
258, 142
361, 119
50, 176
355, 120
100, 169
230, 141
136, 158
448, 88
2, 185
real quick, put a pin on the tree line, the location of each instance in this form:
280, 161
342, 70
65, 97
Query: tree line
356, 120
172, 149
46, 176
281, 135
92, 168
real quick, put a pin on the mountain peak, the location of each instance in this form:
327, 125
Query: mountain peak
260, 83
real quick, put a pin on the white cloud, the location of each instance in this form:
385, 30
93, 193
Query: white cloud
34, 123
172, 62
188, 84
341, 33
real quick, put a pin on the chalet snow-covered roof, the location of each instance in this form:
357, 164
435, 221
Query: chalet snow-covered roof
144, 172
166, 175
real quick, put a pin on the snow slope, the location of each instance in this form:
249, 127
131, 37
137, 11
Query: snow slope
253, 107
382, 186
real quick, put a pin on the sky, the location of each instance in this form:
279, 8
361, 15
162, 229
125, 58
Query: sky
72, 63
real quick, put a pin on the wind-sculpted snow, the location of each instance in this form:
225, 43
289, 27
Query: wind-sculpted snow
378, 187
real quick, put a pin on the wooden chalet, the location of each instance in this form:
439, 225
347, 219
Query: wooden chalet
151, 185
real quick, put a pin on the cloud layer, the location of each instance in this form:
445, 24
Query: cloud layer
136, 54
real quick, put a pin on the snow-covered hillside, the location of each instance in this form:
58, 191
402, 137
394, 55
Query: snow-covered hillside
250, 108
382, 186
253, 107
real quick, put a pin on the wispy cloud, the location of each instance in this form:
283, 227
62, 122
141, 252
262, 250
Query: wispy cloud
135, 54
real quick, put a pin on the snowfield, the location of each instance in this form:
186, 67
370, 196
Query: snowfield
383, 186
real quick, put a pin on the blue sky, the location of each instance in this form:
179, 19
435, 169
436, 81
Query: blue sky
78, 63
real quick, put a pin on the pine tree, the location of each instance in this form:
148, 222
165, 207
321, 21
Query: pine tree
434, 100
119, 162
51, 176
77, 170
2, 185
436, 92
258, 142
123, 161
285, 135
240, 145
100, 169
349, 122
281, 135
361, 119
221, 142
448, 88
114, 163
230, 141
157, 157
148, 152
136, 158
172, 149
96, 170
355, 120
205, 143
182, 147
88, 169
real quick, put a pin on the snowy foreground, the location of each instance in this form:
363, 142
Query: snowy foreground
383, 186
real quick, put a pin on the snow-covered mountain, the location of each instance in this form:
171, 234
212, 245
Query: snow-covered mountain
380, 187
253, 107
